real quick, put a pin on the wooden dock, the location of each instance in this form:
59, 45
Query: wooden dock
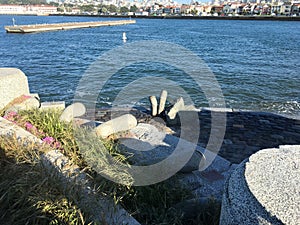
63, 26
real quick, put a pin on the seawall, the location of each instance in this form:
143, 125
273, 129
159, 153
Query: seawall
246, 131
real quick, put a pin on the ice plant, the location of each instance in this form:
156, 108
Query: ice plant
52, 142
29, 126
11, 116
48, 140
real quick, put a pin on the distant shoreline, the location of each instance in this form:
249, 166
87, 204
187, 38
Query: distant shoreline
262, 18
270, 18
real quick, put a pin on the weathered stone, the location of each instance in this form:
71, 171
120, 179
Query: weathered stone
85, 122
162, 101
264, 189
27, 103
9, 128
209, 182
293, 134
160, 124
152, 146
13, 83
196, 162
100, 208
153, 101
75, 110
119, 124
179, 105
264, 121
53, 105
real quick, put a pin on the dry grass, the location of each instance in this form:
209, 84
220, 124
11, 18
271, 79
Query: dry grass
29, 195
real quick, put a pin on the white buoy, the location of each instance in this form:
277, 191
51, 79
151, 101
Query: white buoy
124, 37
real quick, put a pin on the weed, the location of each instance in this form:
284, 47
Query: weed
30, 196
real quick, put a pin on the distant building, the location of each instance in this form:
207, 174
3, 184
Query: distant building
28, 9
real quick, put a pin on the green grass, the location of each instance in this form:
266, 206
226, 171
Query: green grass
29, 195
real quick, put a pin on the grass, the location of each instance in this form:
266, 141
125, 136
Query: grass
29, 195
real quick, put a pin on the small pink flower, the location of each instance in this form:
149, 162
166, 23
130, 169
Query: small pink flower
57, 145
52, 142
12, 113
10, 116
28, 126
48, 140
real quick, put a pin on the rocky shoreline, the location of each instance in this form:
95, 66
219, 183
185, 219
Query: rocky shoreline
246, 131
169, 135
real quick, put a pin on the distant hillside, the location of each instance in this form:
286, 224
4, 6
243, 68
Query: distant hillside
24, 2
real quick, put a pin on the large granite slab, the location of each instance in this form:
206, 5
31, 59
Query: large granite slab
264, 189
13, 83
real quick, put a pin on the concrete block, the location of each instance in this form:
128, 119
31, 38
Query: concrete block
60, 105
13, 83
75, 110
162, 101
264, 189
119, 124
23, 103
179, 105
152, 146
153, 102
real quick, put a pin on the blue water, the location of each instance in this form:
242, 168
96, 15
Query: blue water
256, 63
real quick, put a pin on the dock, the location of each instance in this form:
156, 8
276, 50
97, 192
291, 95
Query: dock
63, 26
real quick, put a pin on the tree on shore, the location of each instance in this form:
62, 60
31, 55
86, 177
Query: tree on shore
87, 8
124, 9
112, 8
133, 8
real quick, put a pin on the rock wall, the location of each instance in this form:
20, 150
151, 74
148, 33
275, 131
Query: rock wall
246, 131
13, 84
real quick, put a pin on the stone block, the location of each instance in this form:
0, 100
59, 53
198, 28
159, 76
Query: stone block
9, 128
119, 124
13, 84
75, 110
162, 101
178, 106
264, 189
60, 105
152, 146
153, 102
23, 103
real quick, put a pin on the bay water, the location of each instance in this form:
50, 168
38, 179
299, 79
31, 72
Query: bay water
256, 63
